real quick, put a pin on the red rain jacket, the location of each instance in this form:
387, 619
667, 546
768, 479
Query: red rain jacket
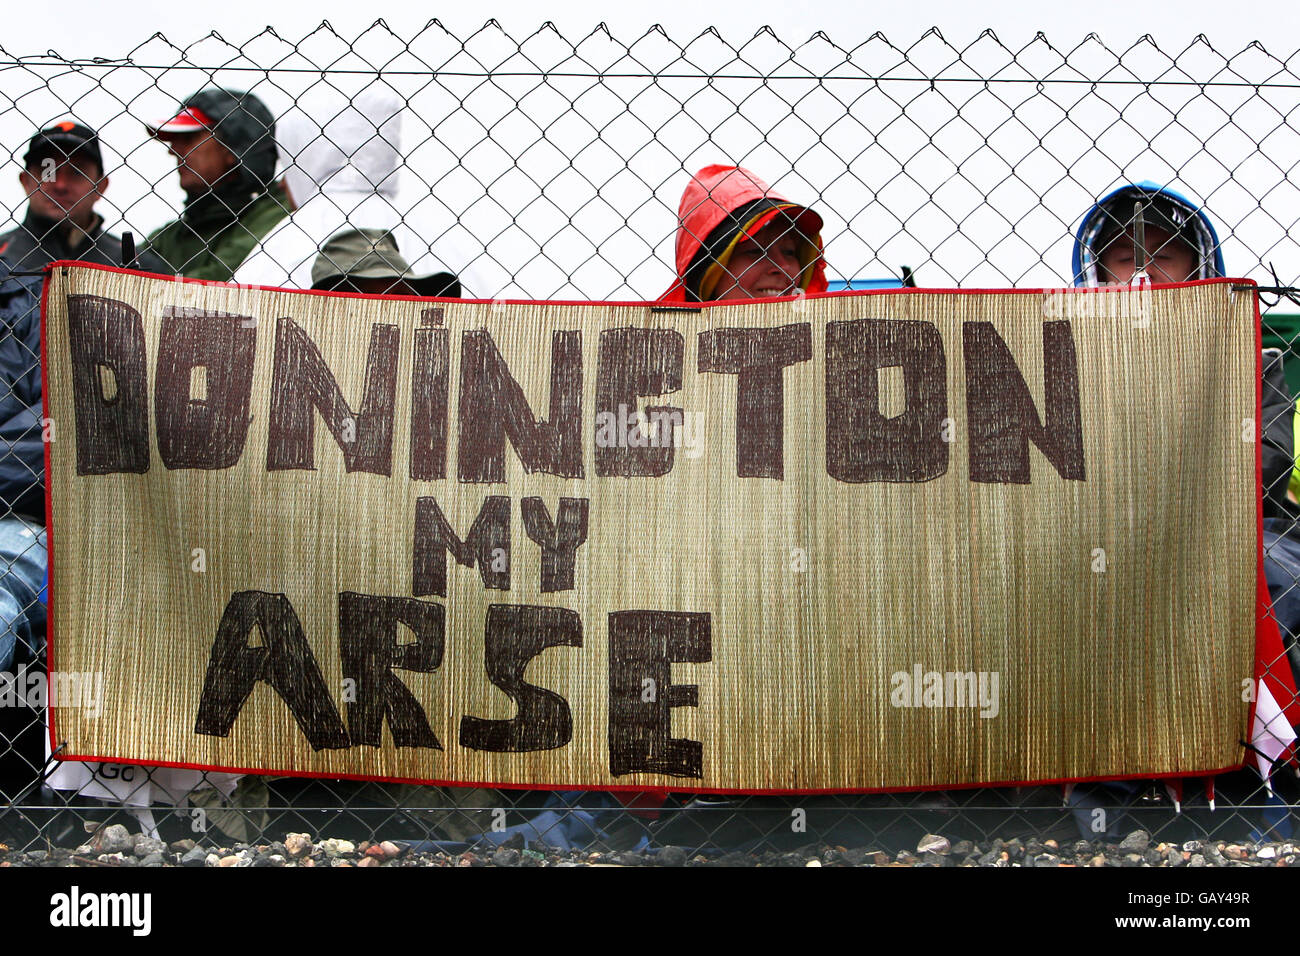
710, 197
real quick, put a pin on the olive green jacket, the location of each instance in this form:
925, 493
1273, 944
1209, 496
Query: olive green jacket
218, 230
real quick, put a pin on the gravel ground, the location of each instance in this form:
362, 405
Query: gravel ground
113, 846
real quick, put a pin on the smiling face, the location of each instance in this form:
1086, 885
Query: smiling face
765, 265
60, 187
1169, 259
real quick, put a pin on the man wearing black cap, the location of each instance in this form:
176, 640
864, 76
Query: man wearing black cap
224, 145
63, 177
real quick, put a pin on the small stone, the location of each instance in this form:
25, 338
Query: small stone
1196, 860
195, 856
1191, 846
307, 862
963, 848
879, 858
1051, 845
989, 858
1176, 859
1234, 852
905, 858
672, 856
932, 843
370, 861
297, 844
505, 857
337, 848
1047, 859
1137, 841
212, 860
1098, 860
181, 846
341, 862
392, 851
113, 839
153, 859
1266, 853
228, 861
813, 863
627, 858
276, 859
374, 851
148, 846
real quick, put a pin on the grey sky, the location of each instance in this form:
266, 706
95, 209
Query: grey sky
929, 193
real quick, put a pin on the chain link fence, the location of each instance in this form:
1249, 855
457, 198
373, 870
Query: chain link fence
550, 167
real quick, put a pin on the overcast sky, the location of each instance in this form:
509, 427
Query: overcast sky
919, 193
93, 28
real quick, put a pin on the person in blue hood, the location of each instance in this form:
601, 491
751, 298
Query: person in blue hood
1180, 244
1180, 241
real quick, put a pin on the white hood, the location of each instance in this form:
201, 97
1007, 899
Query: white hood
341, 158
330, 145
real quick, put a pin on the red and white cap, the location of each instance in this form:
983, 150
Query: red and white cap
189, 120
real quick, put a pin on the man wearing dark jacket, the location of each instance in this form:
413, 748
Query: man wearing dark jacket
64, 178
224, 145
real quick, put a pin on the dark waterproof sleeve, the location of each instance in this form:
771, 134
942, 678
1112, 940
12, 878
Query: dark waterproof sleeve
22, 449
1278, 451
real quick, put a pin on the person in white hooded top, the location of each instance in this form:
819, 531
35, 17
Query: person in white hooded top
341, 157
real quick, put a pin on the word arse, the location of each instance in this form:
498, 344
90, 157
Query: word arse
559, 545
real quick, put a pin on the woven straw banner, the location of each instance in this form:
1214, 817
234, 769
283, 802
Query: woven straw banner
843, 542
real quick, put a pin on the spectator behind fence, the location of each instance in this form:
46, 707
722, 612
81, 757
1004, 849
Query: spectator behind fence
63, 177
1180, 245
737, 238
342, 158
224, 144
366, 261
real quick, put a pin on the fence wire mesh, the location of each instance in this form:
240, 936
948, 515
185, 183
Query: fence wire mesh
546, 167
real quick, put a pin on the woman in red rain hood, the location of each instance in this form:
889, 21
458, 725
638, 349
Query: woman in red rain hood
738, 239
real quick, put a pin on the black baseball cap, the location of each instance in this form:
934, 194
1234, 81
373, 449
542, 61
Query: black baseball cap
63, 141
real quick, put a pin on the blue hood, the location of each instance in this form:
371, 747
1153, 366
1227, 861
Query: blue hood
1117, 207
